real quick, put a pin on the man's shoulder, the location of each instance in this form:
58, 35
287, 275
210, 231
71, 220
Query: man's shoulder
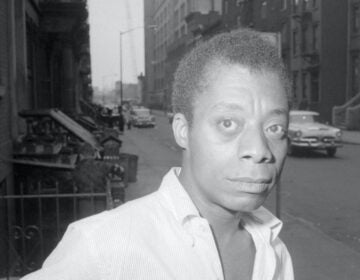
121, 217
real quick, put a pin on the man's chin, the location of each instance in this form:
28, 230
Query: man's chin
246, 205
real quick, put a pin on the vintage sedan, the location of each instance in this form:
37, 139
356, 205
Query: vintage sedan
306, 132
142, 117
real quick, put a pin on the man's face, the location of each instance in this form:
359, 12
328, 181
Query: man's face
237, 143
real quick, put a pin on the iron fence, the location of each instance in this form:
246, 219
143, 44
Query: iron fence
36, 213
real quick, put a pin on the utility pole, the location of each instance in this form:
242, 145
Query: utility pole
121, 60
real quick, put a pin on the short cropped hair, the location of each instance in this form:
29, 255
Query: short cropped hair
245, 47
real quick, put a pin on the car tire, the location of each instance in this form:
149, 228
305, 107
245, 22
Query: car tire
331, 152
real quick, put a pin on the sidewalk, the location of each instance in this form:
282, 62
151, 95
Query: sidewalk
315, 255
351, 137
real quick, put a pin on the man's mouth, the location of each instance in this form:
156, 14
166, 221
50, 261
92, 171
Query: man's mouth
251, 185
250, 180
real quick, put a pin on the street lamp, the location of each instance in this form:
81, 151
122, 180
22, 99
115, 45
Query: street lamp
121, 60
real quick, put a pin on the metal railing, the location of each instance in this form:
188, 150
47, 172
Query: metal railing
35, 216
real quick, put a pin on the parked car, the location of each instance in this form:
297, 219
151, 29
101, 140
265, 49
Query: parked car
142, 117
306, 132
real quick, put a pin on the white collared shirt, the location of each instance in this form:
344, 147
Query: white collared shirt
159, 236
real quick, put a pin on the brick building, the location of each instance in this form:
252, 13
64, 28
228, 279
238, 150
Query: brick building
167, 44
319, 45
7, 100
318, 54
44, 63
353, 49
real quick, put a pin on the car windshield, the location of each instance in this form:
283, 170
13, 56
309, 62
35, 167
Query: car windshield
303, 118
142, 113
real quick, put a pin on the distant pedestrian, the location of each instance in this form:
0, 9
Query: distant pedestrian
121, 122
127, 117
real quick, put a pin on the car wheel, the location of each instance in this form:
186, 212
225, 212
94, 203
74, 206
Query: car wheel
331, 152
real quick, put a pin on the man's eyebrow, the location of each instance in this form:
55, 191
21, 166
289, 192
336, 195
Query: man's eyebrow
233, 106
279, 112
224, 105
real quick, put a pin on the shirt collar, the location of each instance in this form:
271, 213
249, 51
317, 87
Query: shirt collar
184, 209
176, 196
265, 223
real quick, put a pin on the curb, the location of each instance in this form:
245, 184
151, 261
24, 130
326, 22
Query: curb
350, 142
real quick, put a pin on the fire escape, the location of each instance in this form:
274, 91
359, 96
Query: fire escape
309, 55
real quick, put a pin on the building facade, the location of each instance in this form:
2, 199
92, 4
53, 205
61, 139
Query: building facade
320, 50
7, 100
44, 63
353, 51
318, 55
168, 42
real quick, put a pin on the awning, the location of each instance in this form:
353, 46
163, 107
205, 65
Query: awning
65, 121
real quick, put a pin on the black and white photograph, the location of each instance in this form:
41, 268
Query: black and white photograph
179, 139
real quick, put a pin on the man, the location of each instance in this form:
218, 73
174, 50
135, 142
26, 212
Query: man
206, 220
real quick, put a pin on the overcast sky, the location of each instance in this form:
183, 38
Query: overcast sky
107, 19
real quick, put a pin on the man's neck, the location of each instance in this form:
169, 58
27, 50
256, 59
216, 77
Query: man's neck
223, 222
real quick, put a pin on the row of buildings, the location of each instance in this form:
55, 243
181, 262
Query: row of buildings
320, 44
44, 63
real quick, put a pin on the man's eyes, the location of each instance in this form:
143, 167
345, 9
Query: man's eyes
276, 131
228, 125
232, 126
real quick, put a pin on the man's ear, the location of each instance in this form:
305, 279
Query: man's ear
180, 129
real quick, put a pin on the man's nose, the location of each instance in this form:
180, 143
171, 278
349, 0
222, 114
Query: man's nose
254, 145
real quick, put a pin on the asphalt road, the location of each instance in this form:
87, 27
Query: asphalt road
319, 190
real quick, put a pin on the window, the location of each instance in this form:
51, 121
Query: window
355, 79
238, 20
239, 2
315, 41
304, 85
3, 187
295, 5
314, 3
295, 83
304, 40
356, 18
315, 97
284, 33
226, 8
263, 9
305, 4
295, 45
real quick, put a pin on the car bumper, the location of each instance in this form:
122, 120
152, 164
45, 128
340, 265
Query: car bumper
315, 144
144, 123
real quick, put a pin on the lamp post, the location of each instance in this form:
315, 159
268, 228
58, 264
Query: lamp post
121, 60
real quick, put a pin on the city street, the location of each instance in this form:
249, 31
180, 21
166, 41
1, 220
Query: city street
323, 192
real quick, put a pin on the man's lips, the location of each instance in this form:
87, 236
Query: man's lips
250, 180
251, 185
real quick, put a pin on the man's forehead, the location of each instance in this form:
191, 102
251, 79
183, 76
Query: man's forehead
241, 79
215, 65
